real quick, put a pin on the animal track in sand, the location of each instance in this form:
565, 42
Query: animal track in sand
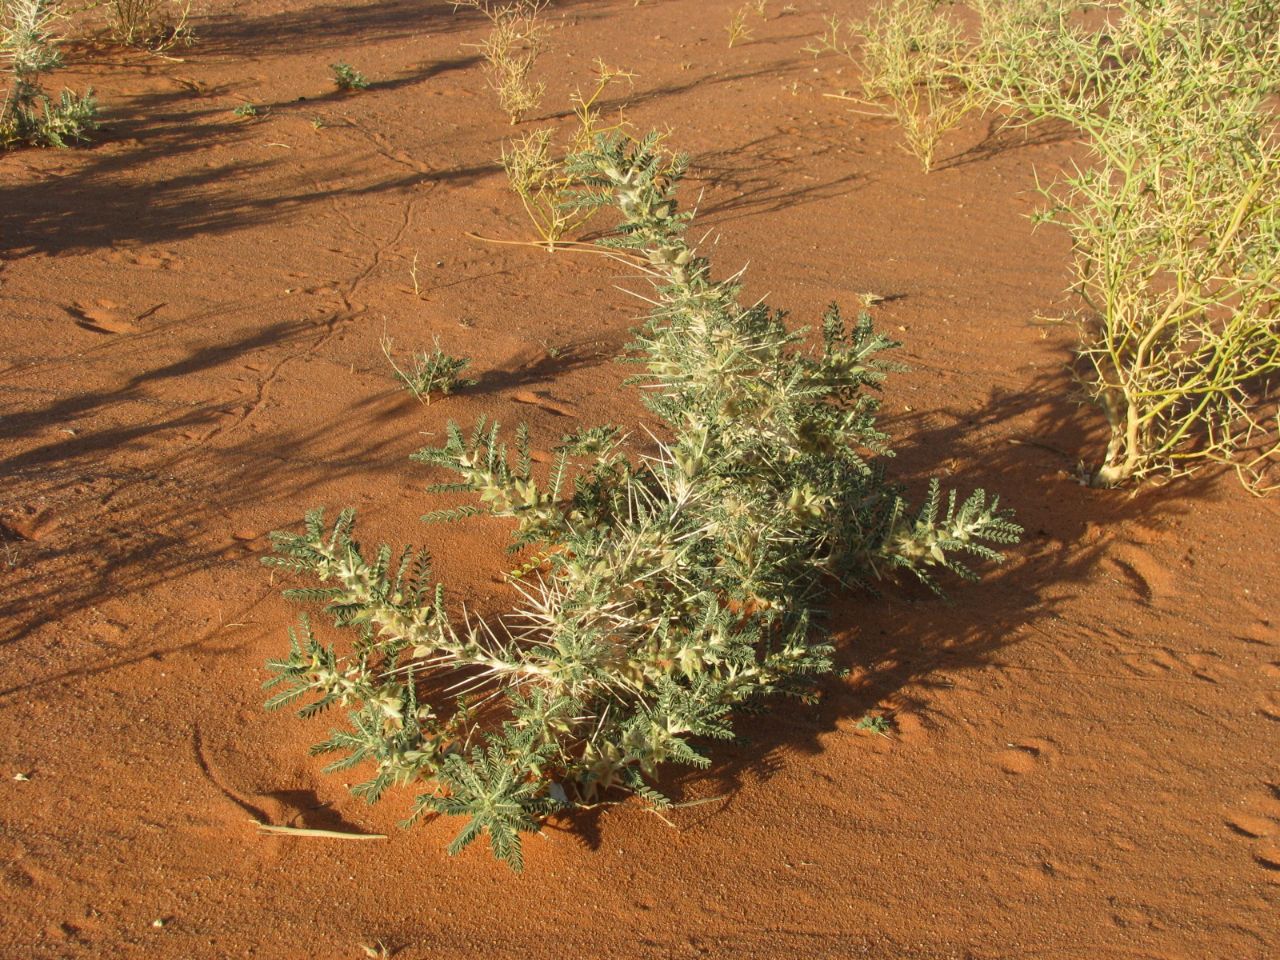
1258, 823
389, 150
1250, 826
1264, 633
1270, 706
21, 872
1148, 577
101, 316
148, 259
1164, 663
28, 522
1024, 756
908, 726
1268, 856
19, 879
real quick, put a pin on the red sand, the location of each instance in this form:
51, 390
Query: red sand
1084, 759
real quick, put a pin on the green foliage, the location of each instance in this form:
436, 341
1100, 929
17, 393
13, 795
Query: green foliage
29, 115
662, 591
499, 789
428, 373
347, 78
876, 723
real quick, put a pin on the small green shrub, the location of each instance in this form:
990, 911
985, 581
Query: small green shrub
661, 592
347, 78
876, 723
29, 115
428, 373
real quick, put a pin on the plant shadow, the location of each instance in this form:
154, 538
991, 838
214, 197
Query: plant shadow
409, 78
542, 366
752, 179
1003, 136
98, 199
332, 26
123, 524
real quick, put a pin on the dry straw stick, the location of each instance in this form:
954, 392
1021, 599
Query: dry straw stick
536, 171
912, 59
311, 832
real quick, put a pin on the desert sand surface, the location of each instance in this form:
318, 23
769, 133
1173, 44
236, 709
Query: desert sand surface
1083, 756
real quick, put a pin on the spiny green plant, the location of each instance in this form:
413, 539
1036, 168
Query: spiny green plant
347, 78
1017, 50
876, 723
517, 38
29, 44
660, 591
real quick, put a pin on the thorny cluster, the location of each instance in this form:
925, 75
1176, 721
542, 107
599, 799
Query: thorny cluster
661, 591
1176, 226
152, 24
